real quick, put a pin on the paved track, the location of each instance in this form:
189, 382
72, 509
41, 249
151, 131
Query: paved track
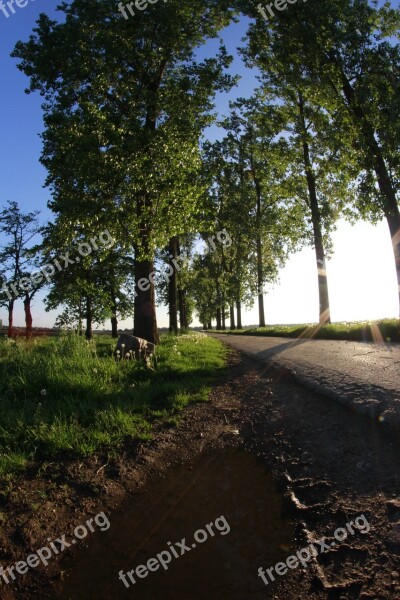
363, 375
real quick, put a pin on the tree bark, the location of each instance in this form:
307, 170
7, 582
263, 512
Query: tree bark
183, 319
260, 266
232, 317
114, 327
181, 309
172, 286
28, 316
185, 311
239, 314
223, 314
80, 318
89, 318
324, 307
393, 219
260, 281
218, 319
114, 318
10, 318
145, 320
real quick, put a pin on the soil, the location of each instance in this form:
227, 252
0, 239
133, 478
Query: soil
330, 464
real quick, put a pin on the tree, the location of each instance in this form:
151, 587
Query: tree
18, 229
95, 284
348, 49
123, 115
268, 226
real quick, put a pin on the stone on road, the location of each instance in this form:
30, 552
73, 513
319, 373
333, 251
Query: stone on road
364, 376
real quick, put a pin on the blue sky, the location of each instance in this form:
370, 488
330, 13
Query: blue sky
360, 287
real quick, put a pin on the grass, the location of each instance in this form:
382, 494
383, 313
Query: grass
64, 398
387, 330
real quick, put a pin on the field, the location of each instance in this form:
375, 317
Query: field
386, 330
65, 398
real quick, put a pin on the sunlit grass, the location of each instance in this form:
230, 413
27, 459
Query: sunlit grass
67, 397
386, 330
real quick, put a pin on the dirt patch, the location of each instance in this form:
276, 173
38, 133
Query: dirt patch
330, 464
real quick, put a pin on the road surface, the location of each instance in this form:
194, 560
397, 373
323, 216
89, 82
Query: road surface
362, 375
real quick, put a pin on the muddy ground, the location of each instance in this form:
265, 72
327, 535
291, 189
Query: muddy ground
330, 464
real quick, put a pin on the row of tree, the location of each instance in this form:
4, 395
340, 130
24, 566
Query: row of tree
124, 119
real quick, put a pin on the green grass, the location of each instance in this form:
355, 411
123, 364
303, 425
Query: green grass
66, 397
387, 330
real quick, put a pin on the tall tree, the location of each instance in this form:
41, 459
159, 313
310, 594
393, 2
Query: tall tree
269, 219
130, 101
349, 50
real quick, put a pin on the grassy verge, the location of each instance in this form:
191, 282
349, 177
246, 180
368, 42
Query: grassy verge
387, 330
67, 397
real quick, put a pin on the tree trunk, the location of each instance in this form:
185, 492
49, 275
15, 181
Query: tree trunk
386, 187
393, 219
209, 326
185, 313
324, 307
232, 316
114, 326
260, 282
218, 319
89, 318
260, 266
114, 318
181, 310
145, 320
80, 318
183, 320
223, 317
28, 316
172, 287
239, 314
10, 318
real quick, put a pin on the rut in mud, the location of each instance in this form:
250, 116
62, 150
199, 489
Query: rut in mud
229, 487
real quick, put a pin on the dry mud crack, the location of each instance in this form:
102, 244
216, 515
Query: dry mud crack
330, 464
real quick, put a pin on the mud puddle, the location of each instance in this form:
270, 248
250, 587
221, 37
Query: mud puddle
229, 489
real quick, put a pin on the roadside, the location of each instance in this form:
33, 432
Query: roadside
67, 398
331, 466
362, 376
385, 330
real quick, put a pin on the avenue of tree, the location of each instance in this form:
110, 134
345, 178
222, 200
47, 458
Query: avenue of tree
126, 104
